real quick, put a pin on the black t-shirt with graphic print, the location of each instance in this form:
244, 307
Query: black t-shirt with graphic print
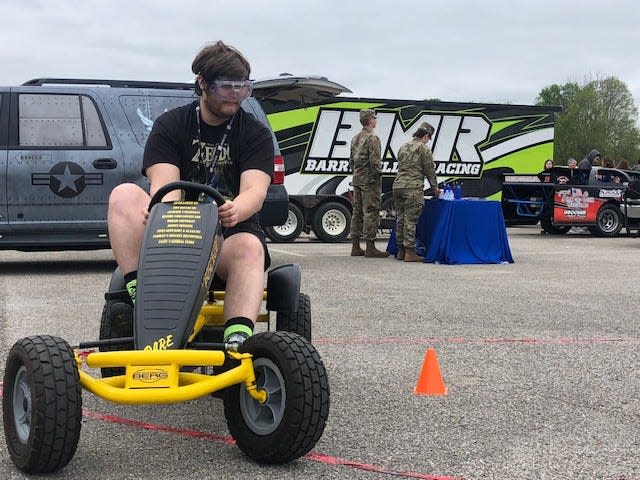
174, 139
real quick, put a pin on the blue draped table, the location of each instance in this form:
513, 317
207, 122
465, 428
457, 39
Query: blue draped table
460, 232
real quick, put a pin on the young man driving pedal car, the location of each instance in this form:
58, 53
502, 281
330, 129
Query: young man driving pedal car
211, 141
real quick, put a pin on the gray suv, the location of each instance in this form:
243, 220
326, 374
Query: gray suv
66, 143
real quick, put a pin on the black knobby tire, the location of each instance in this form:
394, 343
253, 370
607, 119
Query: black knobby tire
299, 321
609, 221
116, 321
548, 227
41, 404
288, 231
292, 420
331, 222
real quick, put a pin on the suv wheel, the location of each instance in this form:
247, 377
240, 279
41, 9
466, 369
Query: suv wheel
289, 230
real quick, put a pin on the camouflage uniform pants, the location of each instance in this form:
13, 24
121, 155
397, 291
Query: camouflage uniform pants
366, 211
408, 203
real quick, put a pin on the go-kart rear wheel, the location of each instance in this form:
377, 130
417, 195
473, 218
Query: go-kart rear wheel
41, 404
116, 321
299, 321
293, 418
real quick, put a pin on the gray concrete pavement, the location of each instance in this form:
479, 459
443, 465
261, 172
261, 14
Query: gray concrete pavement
541, 359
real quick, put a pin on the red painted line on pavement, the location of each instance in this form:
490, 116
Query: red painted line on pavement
157, 427
475, 341
328, 459
316, 457
227, 440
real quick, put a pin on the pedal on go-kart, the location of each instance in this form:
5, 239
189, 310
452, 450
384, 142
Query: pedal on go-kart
274, 387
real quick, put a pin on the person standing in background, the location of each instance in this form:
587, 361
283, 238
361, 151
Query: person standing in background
415, 162
590, 160
365, 161
608, 162
623, 165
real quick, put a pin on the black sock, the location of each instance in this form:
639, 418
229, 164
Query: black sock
130, 276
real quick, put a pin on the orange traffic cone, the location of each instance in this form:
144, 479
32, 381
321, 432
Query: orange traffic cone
430, 381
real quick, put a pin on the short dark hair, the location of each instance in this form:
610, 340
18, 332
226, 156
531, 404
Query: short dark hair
217, 60
425, 128
366, 116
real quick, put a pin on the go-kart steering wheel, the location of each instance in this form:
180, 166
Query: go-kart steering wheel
187, 186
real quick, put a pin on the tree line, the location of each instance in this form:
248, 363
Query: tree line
598, 114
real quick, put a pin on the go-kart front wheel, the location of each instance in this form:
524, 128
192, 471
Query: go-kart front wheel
293, 417
41, 404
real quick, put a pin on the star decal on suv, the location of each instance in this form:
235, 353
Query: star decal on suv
66, 179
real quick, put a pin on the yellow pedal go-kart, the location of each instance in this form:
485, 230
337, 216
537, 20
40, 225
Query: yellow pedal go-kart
274, 387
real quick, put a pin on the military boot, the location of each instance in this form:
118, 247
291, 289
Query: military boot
401, 253
356, 251
373, 252
411, 256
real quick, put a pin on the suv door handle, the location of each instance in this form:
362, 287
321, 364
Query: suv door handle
105, 163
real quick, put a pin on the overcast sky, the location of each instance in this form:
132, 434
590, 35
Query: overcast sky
485, 51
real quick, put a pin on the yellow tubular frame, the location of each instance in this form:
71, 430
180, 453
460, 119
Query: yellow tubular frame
175, 386
212, 313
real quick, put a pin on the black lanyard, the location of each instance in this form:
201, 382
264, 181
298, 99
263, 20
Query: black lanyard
218, 152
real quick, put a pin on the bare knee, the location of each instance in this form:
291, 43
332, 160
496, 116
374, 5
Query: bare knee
244, 248
127, 197
241, 252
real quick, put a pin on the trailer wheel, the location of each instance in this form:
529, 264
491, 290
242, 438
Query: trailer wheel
389, 214
293, 418
289, 230
608, 222
41, 404
331, 222
299, 321
548, 227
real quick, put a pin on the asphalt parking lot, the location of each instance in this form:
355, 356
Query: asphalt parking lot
541, 359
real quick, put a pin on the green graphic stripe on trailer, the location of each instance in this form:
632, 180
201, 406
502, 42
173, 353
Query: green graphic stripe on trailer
498, 126
527, 160
301, 116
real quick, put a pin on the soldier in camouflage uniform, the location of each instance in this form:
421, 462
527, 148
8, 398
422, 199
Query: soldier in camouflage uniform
365, 162
415, 162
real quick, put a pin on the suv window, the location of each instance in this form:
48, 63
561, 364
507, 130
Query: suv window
141, 111
54, 120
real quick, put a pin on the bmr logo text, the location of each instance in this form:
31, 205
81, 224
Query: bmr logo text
454, 144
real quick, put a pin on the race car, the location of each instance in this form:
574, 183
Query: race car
604, 200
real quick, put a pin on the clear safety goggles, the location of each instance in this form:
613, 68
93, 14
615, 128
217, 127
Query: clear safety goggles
232, 90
